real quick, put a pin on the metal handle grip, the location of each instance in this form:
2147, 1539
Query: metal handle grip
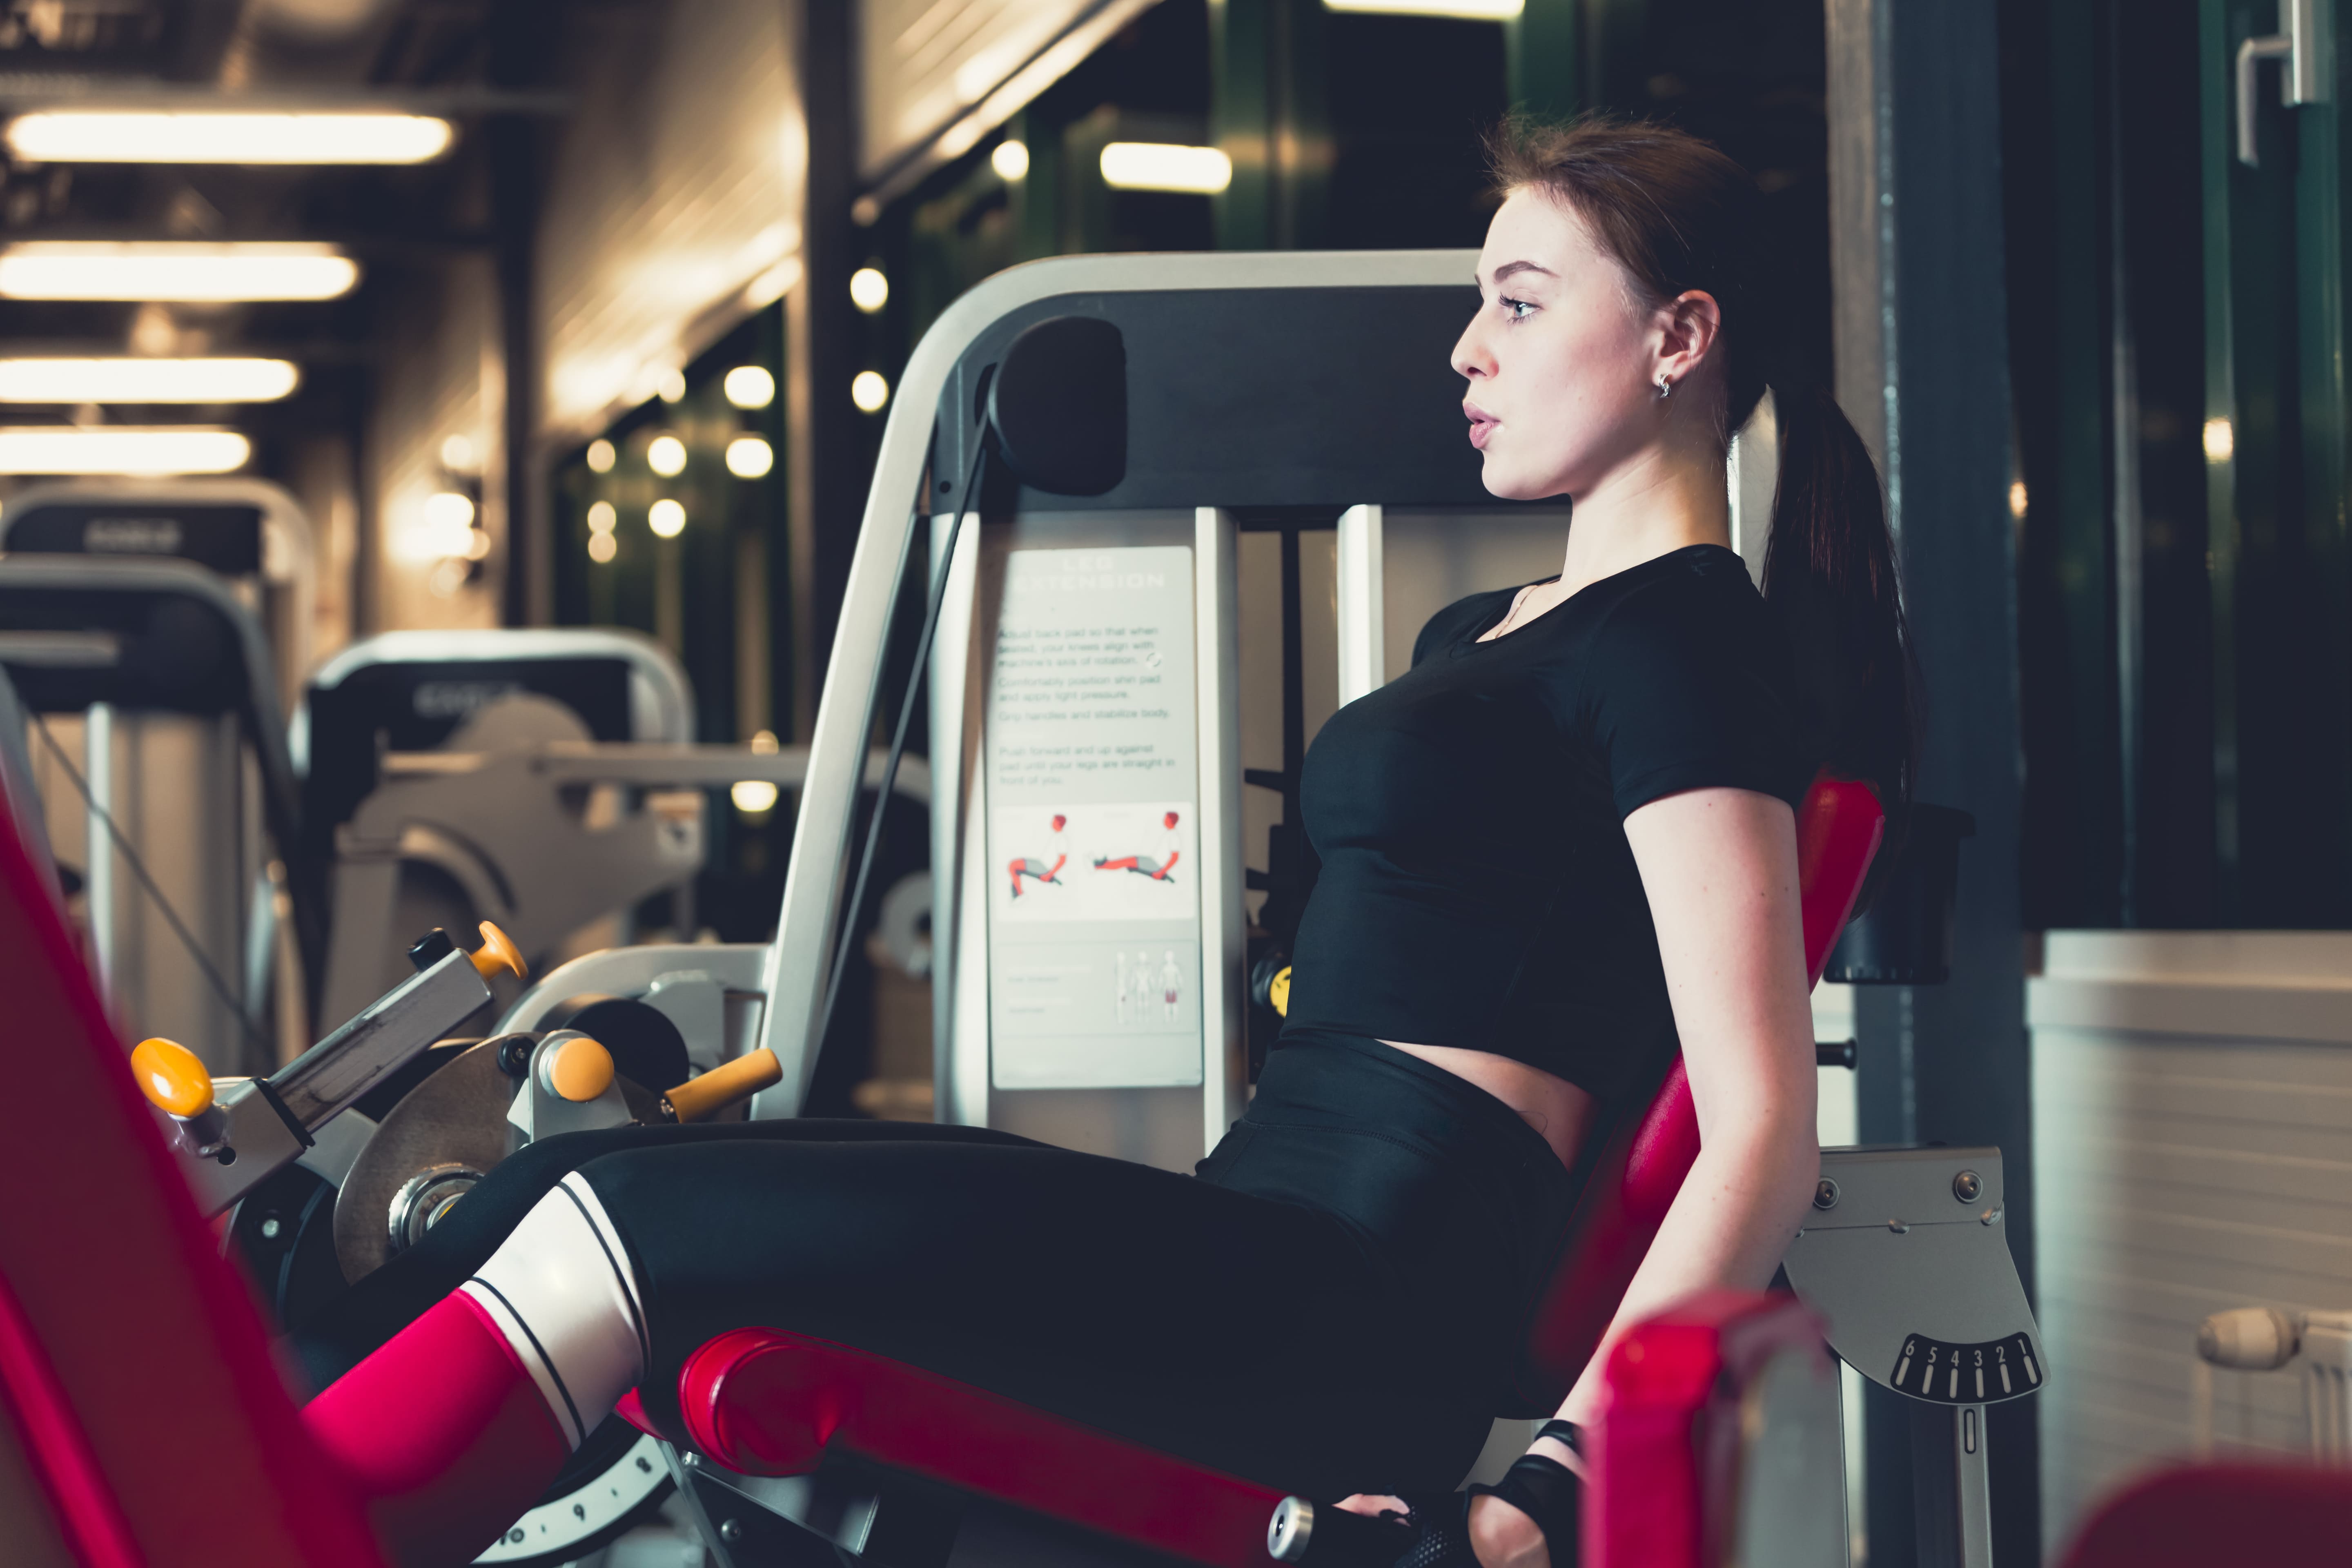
2276, 47
2305, 78
721, 1087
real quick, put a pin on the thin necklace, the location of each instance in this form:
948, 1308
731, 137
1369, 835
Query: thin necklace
1511, 617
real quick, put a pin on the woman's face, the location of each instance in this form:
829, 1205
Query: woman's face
1562, 361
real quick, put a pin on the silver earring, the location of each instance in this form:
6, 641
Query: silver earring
1665, 389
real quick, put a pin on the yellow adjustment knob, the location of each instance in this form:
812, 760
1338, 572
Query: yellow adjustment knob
172, 1078
1277, 991
578, 1070
498, 955
722, 1085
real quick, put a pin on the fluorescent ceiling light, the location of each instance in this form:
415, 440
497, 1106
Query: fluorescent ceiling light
1163, 166
1469, 10
111, 136
60, 269
121, 449
129, 380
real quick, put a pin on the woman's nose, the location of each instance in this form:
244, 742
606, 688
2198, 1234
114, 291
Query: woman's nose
1470, 358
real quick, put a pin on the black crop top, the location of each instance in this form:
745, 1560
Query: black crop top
1477, 889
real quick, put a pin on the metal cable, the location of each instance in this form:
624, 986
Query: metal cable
898, 739
139, 870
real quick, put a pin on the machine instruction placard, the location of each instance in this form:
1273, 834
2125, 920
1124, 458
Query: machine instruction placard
1093, 846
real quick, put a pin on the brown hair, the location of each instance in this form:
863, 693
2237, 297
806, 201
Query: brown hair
1677, 214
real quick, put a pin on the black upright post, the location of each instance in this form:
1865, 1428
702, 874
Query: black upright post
822, 352
1923, 369
513, 145
1293, 692
1269, 111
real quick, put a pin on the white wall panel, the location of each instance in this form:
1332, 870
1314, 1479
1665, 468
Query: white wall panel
674, 194
2193, 1105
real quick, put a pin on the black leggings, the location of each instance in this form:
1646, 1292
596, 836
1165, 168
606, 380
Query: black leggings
1334, 1305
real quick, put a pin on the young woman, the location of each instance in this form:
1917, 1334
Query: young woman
1561, 842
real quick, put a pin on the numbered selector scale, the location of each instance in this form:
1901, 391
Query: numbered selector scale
1982, 1374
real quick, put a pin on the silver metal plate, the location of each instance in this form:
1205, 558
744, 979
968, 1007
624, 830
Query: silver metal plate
456, 1117
1902, 1264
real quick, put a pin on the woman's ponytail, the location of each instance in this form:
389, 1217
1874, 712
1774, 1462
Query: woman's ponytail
1830, 581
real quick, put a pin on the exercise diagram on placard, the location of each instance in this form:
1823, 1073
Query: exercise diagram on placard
1125, 861
1094, 892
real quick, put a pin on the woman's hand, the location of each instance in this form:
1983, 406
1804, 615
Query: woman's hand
1501, 1536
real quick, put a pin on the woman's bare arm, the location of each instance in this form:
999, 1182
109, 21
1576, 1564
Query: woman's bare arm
1720, 870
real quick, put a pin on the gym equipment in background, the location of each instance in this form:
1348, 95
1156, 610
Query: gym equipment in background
398, 836
539, 779
164, 757
250, 533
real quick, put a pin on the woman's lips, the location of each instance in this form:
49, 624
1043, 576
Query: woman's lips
1481, 425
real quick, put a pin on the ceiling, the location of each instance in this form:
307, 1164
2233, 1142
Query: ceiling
477, 61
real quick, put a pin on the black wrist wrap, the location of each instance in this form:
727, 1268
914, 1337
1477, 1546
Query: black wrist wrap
1547, 1492
1444, 1537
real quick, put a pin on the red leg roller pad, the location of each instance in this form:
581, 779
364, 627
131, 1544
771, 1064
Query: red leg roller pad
444, 1432
768, 1403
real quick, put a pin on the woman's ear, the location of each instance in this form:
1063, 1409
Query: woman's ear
1687, 327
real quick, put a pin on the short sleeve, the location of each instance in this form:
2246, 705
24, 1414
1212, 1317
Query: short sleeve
1687, 688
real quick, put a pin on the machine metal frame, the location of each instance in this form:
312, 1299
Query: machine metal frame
805, 931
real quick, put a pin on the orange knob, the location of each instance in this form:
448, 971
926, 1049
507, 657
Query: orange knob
578, 1070
722, 1085
498, 955
172, 1078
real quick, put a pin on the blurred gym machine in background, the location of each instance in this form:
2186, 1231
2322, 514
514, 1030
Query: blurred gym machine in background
160, 758
161, 692
422, 805
251, 533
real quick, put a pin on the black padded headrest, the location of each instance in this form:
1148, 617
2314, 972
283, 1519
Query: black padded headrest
1057, 407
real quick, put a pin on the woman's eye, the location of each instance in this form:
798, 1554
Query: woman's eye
1517, 310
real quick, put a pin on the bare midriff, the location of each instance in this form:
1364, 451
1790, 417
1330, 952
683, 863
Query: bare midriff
1554, 1107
